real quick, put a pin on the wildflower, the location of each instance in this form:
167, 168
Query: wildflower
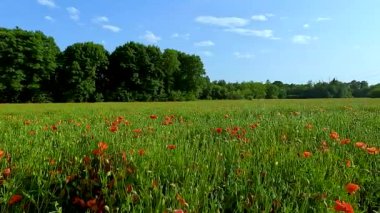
348, 163
137, 131
2, 153
307, 154
141, 152
178, 211
54, 128
153, 117
27, 122
124, 155
345, 141
334, 135
219, 130
372, 150
154, 184
254, 126
91, 203
309, 126
181, 200
341, 206
171, 146
86, 160
14, 199
113, 128
129, 188
351, 188
7, 172
102, 146
361, 145
79, 201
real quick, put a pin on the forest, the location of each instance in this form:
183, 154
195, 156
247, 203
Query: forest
33, 69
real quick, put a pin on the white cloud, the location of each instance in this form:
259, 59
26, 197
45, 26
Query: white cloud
48, 3
73, 13
222, 21
207, 53
100, 19
259, 18
320, 19
303, 39
185, 36
243, 55
112, 28
150, 37
204, 44
250, 32
49, 18
306, 26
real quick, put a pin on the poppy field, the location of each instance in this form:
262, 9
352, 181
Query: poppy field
202, 156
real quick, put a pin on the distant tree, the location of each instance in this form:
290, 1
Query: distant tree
170, 68
80, 66
374, 91
27, 65
191, 78
272, 91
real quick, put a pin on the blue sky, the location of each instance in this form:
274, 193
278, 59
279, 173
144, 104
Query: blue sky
239, 40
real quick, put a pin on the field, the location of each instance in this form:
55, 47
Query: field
204, 156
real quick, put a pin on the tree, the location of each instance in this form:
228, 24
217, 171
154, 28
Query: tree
80, 66
28, 63
170, 68
191, 78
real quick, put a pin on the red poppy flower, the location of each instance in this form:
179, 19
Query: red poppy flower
254, 126
91, 203
54, 128
86, 160
79, 201
178, 211
2, 153
307, 154
141, 152
27, 122
181, 200
345, 141
129, 188
341, 206
171, 146
137, 130
361, 145
153, 117
219, 130
7, 172
351, 188
334, 135
372, 150
102, 146
113, 128
348, 163
14, 199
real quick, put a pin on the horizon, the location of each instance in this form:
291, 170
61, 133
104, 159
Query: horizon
293, 42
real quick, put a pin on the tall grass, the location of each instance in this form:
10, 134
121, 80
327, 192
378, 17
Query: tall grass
204, 156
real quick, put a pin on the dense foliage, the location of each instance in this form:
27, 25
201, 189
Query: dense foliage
33, 69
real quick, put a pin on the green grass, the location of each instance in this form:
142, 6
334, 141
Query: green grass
241, 169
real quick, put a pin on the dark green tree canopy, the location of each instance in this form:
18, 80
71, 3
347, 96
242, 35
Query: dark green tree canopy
32, 69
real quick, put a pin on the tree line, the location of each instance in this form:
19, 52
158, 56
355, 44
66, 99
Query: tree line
34, 69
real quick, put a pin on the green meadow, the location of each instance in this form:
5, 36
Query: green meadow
201, 156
